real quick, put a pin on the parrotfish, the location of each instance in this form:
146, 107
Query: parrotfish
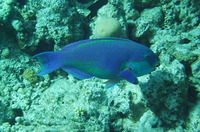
114, 59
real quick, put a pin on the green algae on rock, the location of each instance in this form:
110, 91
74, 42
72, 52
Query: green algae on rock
5, 53
30, 75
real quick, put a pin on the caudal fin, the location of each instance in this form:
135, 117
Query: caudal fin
50, 61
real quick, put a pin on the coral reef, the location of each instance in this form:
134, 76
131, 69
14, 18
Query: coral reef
111, 15
168, 99
108, 27
166, 92
6, 9
48, 24
148, 22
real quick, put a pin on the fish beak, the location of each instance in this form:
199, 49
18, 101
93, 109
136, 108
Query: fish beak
156, 65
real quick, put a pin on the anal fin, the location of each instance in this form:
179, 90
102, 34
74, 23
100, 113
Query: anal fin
111, 83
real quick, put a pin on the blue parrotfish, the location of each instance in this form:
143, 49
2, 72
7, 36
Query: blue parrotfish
114, 59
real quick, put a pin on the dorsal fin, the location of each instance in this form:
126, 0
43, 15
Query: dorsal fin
92, 40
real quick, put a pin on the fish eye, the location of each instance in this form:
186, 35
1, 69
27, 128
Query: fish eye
146, 56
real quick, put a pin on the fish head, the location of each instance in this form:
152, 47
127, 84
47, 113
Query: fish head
151, 58
146, 64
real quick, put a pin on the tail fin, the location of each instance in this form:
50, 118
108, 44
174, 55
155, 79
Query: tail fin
50, 61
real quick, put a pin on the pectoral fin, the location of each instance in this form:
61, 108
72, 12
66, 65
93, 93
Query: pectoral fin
76, 73
129, 75
111, 83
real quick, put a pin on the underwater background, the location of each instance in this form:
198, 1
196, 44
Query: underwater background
167, 100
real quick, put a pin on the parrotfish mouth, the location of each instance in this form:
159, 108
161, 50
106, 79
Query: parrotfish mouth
156, 64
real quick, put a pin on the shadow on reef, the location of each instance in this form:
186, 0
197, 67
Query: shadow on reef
9, 114
169, 94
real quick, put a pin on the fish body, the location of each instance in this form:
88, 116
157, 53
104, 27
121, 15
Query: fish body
106, 58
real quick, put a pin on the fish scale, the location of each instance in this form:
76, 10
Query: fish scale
106, 58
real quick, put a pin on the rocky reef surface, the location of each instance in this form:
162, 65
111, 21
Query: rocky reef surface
168, 99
